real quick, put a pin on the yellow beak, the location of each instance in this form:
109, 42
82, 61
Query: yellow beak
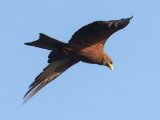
110, 66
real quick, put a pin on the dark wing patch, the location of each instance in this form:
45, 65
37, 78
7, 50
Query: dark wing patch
56, 55
98, 31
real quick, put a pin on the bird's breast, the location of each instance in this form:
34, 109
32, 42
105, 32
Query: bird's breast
90, 54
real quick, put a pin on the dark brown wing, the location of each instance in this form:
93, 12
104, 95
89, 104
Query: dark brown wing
52, 71
97, 32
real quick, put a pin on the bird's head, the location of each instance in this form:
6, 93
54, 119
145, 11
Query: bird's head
108, 62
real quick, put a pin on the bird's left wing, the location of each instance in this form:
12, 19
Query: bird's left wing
53, 70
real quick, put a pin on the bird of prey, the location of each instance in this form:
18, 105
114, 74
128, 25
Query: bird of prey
86, 45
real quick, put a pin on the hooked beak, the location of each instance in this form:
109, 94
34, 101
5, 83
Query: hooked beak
110, 66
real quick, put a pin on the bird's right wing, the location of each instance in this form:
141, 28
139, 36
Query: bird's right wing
97, 33
53, 70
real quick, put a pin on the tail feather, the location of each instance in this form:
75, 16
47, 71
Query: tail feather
47, 42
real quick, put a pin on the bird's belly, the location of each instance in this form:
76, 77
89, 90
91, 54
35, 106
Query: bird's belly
89, 57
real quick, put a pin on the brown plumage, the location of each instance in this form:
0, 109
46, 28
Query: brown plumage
85, 45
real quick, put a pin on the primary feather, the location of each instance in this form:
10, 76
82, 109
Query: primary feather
52, 71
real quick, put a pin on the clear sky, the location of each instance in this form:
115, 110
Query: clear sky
84, 92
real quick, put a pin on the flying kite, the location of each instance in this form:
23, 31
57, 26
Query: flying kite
86, 45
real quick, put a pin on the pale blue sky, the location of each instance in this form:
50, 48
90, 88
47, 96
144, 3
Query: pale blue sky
84, 92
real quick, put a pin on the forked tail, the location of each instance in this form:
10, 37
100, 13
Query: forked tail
47, 42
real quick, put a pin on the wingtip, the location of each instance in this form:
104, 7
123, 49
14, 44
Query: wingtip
127, 19
26, 97
25, 100
130, 17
